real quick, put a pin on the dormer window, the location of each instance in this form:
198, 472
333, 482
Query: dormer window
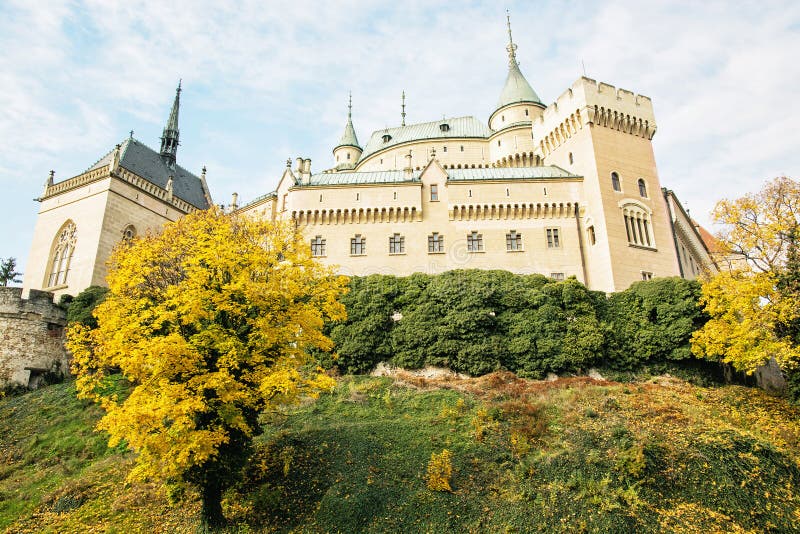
387, 138
444, 127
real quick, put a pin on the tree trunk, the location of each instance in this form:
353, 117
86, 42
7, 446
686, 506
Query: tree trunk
212, 506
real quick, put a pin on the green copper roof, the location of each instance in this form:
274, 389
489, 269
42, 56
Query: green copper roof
351, 178
349, 136
517, 89
508, 173
458, 127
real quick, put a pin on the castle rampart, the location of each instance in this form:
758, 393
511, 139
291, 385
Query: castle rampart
31, 336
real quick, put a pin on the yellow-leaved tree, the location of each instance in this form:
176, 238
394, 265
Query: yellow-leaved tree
754, 306
208, 324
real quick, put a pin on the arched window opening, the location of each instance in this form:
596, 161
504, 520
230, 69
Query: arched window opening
61, 256
615, 182
642, 188
129, 232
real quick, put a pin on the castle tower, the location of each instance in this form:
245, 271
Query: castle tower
171, 134
604, 134
348, 151
510, 145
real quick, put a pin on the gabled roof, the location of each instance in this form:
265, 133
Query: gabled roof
457, 127
508, 173
353, 178
142, 160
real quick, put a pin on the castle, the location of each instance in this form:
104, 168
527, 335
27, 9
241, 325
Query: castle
565, 189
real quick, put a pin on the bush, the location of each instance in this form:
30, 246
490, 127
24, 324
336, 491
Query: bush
80, 308
476, 322
653, 322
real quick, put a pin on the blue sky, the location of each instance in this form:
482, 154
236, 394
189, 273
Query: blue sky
267, 81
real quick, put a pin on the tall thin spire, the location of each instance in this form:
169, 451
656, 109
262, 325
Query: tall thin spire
516, 89
350, 107
403, 113
171, 135
512, 48
349, 136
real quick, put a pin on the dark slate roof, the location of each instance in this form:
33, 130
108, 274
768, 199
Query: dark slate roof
147, 163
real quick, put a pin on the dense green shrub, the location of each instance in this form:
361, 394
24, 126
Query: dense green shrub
452, 321
551, 326
80, 308
476, 321
363, 339
653, 321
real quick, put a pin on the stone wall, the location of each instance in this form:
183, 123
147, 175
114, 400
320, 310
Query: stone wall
31, 337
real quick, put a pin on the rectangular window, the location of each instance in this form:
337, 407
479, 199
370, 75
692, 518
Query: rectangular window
358, 245
591, 235
557, 276
474, 242
397, 244
647, 275
513, 241
553, 239
434, 193
444, 149
318, 246
435, 243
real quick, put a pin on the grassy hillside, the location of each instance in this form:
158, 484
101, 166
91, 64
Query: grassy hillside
566, 456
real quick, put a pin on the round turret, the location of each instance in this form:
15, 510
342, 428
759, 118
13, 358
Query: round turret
347, 152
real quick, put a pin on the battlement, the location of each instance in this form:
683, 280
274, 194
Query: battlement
39, 303
586, 92
590, 102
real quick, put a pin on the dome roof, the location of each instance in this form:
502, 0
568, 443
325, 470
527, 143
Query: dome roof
517, 89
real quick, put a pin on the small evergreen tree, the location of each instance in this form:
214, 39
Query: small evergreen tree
8, 273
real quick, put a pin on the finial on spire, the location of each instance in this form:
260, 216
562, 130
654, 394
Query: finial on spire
403, 113
131, 136
350, 107
512, 48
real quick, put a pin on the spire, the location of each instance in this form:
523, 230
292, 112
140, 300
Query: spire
403, 114
512, 48
170, 137
516, 88
349, 136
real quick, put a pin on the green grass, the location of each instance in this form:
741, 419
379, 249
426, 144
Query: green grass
567, 456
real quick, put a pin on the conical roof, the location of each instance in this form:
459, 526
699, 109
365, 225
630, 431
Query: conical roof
516, 89
349, 136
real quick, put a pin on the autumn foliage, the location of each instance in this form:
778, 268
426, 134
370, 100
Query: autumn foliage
209, 324
755, 305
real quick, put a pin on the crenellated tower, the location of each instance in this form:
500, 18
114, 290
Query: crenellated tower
604, 134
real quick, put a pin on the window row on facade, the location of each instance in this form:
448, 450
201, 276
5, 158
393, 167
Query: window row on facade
617, 185
397, 243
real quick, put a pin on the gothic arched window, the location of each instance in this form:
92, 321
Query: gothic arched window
61, 255
129, 232
642, 188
